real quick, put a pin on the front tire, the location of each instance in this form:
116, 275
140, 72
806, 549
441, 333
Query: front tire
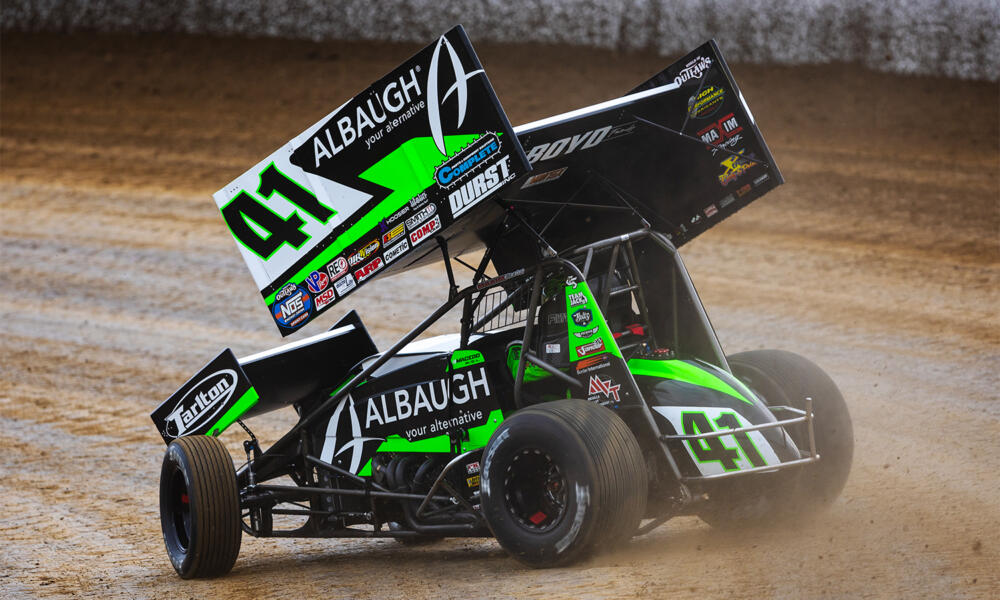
200, 507
559, 478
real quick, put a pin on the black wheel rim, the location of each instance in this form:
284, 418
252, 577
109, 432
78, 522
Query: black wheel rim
535, 492
179, 510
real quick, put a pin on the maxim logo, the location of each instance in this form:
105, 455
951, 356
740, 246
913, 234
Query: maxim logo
201, 404
459, 88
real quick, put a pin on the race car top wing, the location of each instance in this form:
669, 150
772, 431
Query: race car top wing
369, 185
679, 153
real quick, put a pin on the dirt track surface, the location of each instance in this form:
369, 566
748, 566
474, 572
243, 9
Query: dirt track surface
880, 260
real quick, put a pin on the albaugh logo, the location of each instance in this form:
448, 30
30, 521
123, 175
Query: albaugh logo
459, 88
201, 404
355, 444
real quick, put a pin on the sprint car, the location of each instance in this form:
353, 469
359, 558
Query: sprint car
584, 397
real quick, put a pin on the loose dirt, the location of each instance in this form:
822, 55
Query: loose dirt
880, 260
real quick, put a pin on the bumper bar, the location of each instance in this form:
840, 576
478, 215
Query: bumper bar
805, 416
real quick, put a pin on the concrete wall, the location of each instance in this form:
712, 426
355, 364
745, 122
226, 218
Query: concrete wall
956, 38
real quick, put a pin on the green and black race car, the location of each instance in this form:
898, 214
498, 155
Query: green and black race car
584, 398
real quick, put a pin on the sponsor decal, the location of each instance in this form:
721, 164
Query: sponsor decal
430, 408
366, 251
729, 144
622, 130
553, 348
381, 105
294, 309
472, 481
285, 292
735, 165
582, 317
337, 268
706, 102
480, 186
425, 230
694, 69
595, 346
761, 179
418, 200
391, 235
467, 161
593, 363
472, 468
568, 145
354, 440
465, 358
743, 191
557, 318
577, 299
711, 210
344, 284
396, 251
604, 387
459, 88
399, 214
543, 177
368, 270
317, 281
201, 403
721, 131
325, 299
500, 279
419, 217
726, 201
695, 219
395, 97
586, 333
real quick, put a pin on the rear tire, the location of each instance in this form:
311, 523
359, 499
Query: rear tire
783, 378
561, 478
200, 507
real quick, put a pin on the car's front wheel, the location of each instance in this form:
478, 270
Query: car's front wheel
200, 507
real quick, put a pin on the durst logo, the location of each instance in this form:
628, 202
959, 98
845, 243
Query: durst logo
460, 88
201, 404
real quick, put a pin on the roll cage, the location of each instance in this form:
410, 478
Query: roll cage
488, 305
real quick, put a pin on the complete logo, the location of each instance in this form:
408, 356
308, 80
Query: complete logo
201, 403
466, 161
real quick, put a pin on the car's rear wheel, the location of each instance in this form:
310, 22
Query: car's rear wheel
199, 507
559, 478
783, 378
